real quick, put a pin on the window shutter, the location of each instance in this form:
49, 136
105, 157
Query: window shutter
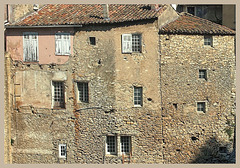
126, 43
30, 46
58, 43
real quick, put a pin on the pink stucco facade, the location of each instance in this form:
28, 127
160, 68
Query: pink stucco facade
46, 44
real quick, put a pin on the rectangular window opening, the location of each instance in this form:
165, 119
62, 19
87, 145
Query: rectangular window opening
138, 96
62, 150
201, 107
111, 145
125, 144
58, 94
208, 40
203, 74
83, 92
131, 43
92, 40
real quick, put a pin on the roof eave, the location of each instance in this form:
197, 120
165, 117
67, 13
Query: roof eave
41, 26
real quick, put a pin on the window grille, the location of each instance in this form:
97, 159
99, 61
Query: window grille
58, 94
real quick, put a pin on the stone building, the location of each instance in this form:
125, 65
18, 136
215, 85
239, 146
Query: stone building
119, 84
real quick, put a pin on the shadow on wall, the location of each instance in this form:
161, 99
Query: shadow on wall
216, 152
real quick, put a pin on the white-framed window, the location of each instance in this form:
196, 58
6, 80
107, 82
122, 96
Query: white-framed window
202, 74
63, 45
201, 107
30, 46
62, 150
131, 43
125, 144
58, 94
83, 95
111, 145
208, 41
137, 98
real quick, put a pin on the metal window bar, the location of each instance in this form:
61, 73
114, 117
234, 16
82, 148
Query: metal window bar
202, 74
83, 92
59, 94
136, 43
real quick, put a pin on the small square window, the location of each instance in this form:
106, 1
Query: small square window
83, 92
125, 144
208, 40
138, 96
111, 145
201, 107
62, 150
92, 40
202, 74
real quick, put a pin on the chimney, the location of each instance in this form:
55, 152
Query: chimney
105, 12
155, 7
35, 7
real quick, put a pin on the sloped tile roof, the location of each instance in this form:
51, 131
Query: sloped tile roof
189, 24
74, 14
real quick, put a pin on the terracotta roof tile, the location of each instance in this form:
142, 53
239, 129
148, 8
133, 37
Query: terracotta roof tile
189, 24
72, 14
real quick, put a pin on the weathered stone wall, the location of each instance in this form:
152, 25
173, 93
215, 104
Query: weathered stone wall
37, 128
8, 107
190, 136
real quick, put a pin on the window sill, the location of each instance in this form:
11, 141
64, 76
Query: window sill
111, 155
137, 106
62, 54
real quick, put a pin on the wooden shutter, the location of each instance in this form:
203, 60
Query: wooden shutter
126, 43
62, 43
30, 47
58, 42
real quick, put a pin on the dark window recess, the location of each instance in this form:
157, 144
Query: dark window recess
222, 149
83, 91
194, 138
201, 107
191, 10
203, 74
175, 105
92, 40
